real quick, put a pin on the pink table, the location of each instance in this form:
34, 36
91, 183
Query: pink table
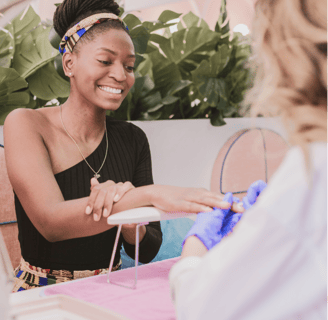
150, 300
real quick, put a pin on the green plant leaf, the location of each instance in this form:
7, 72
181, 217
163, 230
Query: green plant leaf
162, 21
158, 39
150, 48
222, 26
180, 26
177, 86
10, 81
15, 99
121, 11
150, 116
169, 100
138, 60
10, 99
145, 67
220, 59
165, 73
131, 21
142, 86
205, 78
151, 100
184, 43
46, 83
217, 118
140, 37
7, 46
26, 21
33, 52
222, 104
54, 38
168, 15
190, 20
155, 108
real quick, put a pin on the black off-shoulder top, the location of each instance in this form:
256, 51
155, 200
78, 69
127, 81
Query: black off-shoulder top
128, 159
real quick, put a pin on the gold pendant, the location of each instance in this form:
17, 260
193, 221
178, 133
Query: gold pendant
96, 175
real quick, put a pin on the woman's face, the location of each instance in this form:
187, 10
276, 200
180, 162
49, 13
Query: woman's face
103, 69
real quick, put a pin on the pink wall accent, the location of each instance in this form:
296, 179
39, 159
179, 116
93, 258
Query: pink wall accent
240, 11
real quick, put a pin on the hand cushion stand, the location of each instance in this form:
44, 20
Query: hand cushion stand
140, 216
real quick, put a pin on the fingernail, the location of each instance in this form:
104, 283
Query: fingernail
116, 198
105, 212
208, 209
88, 210
95, 217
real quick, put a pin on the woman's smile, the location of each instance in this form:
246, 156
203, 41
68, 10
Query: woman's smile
111, 92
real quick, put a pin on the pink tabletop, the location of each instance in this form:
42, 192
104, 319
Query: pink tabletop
150, 300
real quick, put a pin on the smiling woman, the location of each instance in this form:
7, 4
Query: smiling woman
72, 166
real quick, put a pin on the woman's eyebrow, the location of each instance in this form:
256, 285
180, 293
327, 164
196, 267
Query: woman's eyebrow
114, 52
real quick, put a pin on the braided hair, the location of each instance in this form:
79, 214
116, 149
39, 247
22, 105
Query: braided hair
70, 12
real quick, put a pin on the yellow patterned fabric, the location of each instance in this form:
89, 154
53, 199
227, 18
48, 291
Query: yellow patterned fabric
28, 276
73, 35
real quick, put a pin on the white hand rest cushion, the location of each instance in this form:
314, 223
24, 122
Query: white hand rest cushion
146, 214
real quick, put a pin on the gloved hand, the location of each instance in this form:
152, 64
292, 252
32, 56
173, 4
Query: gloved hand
208, 225
230, 220
252, 193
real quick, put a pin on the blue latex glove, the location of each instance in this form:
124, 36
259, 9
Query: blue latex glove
252, 193
230, 220
207, 227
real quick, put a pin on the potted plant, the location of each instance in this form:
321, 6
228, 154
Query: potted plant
192, 73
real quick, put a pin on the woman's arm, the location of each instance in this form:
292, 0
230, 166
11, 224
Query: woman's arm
31, 175
150, 236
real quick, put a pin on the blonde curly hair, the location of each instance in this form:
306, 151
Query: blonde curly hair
290, 52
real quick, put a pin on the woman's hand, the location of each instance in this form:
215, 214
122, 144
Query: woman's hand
191, 200
103, 195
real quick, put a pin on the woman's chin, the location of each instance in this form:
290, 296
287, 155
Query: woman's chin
113, 106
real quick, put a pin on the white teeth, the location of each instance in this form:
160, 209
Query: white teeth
109, 89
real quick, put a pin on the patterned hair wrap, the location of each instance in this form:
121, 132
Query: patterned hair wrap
73, 35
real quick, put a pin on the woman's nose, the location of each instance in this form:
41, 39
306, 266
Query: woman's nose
117, 71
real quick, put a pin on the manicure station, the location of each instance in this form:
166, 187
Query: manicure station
184, 153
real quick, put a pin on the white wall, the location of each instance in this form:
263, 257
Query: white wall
184, 151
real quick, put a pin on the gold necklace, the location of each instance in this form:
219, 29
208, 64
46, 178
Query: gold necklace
96, 174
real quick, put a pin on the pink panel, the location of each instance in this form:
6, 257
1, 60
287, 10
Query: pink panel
7, 213
247, 156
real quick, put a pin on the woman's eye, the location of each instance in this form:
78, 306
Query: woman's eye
130, 69
105, 62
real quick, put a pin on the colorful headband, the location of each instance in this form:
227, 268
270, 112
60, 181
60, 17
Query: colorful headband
73, 35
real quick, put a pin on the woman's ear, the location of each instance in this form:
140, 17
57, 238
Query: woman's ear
68, 62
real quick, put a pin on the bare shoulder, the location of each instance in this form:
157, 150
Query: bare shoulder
21, 121
25, 125
28, 118
23, 138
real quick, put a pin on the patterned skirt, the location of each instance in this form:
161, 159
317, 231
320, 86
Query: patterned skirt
28, 276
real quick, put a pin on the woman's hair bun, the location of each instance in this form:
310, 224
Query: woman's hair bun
70, 12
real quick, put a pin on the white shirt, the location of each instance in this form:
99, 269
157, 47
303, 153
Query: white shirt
273, 266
